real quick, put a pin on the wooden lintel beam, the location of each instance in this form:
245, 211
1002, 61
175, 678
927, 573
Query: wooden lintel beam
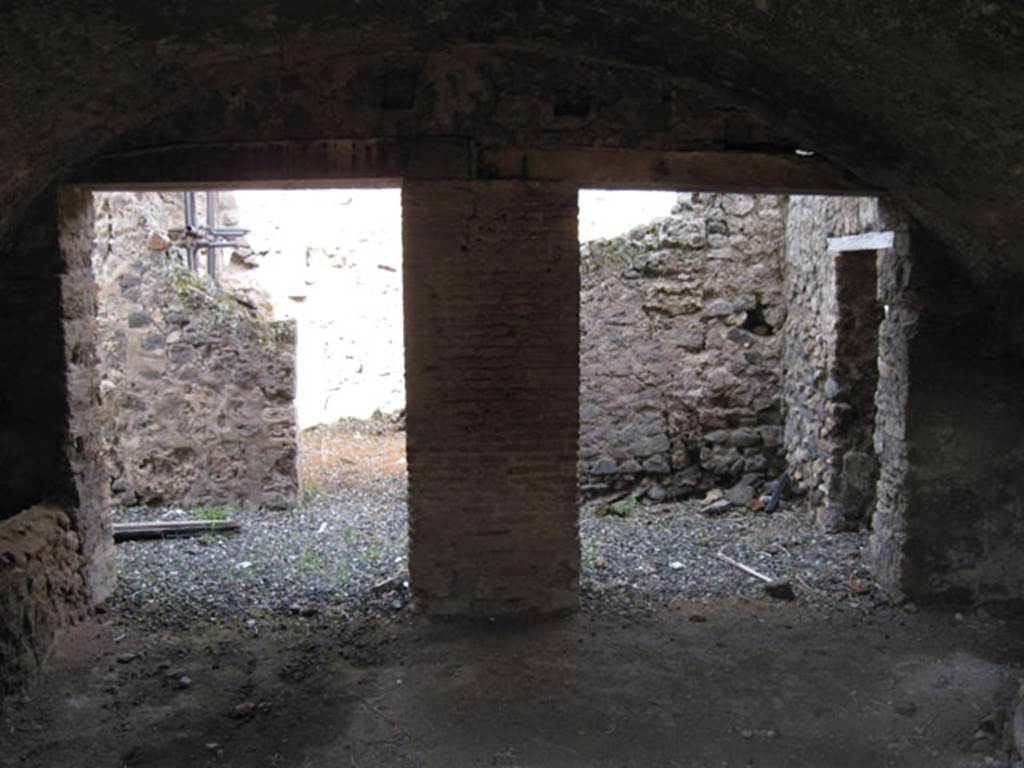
376, 162
698, 171
357, 162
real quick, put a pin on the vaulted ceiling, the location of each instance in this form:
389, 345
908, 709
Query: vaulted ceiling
923, 99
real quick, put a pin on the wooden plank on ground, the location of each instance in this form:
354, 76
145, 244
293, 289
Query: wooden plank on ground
160, 529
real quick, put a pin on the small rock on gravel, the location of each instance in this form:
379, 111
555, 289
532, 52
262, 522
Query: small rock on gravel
904, 707
741, 495
242, 711
716, 507
780, 590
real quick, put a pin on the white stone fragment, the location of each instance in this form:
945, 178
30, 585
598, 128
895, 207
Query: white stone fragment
868, 241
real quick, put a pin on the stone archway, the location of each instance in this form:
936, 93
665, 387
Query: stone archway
579, 107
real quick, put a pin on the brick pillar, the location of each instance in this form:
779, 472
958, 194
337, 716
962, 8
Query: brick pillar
492, 367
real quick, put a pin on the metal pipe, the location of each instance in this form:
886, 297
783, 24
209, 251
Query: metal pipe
211, 210
193, 234
190, 210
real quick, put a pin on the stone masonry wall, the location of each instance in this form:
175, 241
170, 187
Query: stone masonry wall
42, 588
88, 501
855, 373
56, 551
492, 371
888, 543
819, 432
198, 389
681, 358
950, 433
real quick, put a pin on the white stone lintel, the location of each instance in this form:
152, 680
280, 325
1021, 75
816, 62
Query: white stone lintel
869, 241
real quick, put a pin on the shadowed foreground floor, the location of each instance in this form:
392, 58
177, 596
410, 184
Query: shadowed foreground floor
738, 684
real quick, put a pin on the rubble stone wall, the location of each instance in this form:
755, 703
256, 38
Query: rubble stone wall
332, 261
950, 432
827, 416
681, 350
197, 388
56, 550
42, 588
889, 523
851, 493
86, 498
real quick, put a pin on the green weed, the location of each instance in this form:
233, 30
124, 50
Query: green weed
213, 514
309, 561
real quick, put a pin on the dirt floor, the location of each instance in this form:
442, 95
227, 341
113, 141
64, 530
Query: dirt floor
740, 684
715, 680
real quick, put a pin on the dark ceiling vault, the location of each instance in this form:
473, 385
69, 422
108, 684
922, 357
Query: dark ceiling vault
923, 99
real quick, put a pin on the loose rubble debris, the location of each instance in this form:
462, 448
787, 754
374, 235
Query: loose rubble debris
779, 489
243, 711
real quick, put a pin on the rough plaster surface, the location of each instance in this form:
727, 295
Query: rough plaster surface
680, 361
197, 388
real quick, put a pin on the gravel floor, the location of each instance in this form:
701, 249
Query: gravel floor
338, 553
668, 554
323, 558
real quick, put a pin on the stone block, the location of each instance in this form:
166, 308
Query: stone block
656, 465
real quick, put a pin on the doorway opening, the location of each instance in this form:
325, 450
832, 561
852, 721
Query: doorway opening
252, 374
713, 331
